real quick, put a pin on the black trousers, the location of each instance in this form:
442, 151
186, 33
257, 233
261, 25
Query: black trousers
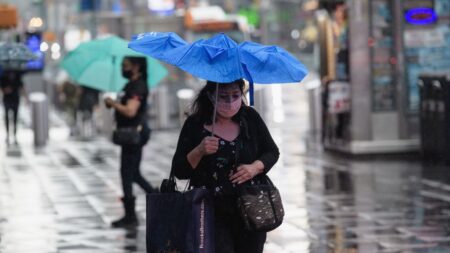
130, 161
14, 108
231, 236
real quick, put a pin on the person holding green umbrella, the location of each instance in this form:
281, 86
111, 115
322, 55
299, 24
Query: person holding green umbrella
97, 64
130, 113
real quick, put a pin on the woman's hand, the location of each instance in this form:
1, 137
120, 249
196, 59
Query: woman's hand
109, 102
209, 145
246, 172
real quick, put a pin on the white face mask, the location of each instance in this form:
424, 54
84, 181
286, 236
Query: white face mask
228, 110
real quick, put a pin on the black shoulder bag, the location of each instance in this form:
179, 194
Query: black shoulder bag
259, 204
127, 135
138, 135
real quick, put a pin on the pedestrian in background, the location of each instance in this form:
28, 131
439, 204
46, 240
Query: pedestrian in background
130, 111
70, 96
240, 149
12, 86
88, 101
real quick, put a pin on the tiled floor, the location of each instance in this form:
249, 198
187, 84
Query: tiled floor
62, 198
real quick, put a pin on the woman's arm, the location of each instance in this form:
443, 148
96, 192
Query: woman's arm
181, 167
269, 149
189, 152
129, 110
209, 145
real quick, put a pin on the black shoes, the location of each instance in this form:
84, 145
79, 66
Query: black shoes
130, 219
125, 222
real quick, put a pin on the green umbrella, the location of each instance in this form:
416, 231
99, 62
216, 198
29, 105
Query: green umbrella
97, 64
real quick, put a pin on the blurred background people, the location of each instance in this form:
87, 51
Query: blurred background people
11, 86
89, 98
70, 96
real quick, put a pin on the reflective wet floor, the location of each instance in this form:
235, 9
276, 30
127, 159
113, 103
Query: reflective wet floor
63, 198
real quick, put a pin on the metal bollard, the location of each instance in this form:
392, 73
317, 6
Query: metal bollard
315, 108
162, 105
185, 97
39, 116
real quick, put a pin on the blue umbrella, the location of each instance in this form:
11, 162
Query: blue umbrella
157, 43
270, 64
220, 59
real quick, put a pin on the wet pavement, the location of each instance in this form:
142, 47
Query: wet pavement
63, 198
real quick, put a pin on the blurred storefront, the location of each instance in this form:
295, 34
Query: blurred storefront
378, 48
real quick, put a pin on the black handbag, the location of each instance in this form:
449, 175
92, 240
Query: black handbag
124, 136
180, 221
260, 205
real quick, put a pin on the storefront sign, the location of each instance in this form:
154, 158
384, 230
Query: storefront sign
421, 16
424, 38
339, 97
8, 16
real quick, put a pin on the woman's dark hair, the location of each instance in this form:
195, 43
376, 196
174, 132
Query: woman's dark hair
142, 62
202, 108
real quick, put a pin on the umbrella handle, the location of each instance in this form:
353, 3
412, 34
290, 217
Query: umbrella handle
215, 109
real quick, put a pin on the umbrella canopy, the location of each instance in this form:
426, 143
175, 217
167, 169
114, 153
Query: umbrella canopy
157, 44
220, 59
97, 64
14, 55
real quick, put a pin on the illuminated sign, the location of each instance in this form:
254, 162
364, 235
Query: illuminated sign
421, 16
162, 7
33, 42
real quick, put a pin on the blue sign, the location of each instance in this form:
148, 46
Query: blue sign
33, 42
421, 16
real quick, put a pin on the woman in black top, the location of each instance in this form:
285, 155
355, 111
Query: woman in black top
240, 149
131, 112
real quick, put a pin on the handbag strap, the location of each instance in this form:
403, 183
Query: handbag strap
174, 180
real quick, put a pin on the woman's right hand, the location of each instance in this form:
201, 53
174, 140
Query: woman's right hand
108, 102
209, 145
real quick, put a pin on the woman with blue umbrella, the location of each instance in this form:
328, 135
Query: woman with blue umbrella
130, 114
223, 144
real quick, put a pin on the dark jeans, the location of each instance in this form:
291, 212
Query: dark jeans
231, 236
14, 107
130, 161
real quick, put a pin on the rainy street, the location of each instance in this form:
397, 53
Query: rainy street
95, 94
63, 198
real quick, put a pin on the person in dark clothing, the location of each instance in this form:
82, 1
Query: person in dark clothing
88, 100
130, 111
11, 85
223, 154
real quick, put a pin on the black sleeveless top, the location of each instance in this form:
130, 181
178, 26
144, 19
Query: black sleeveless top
133, 90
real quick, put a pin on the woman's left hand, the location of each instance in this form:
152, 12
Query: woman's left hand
246, 172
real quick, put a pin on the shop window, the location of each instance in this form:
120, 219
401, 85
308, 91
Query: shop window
426, 44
